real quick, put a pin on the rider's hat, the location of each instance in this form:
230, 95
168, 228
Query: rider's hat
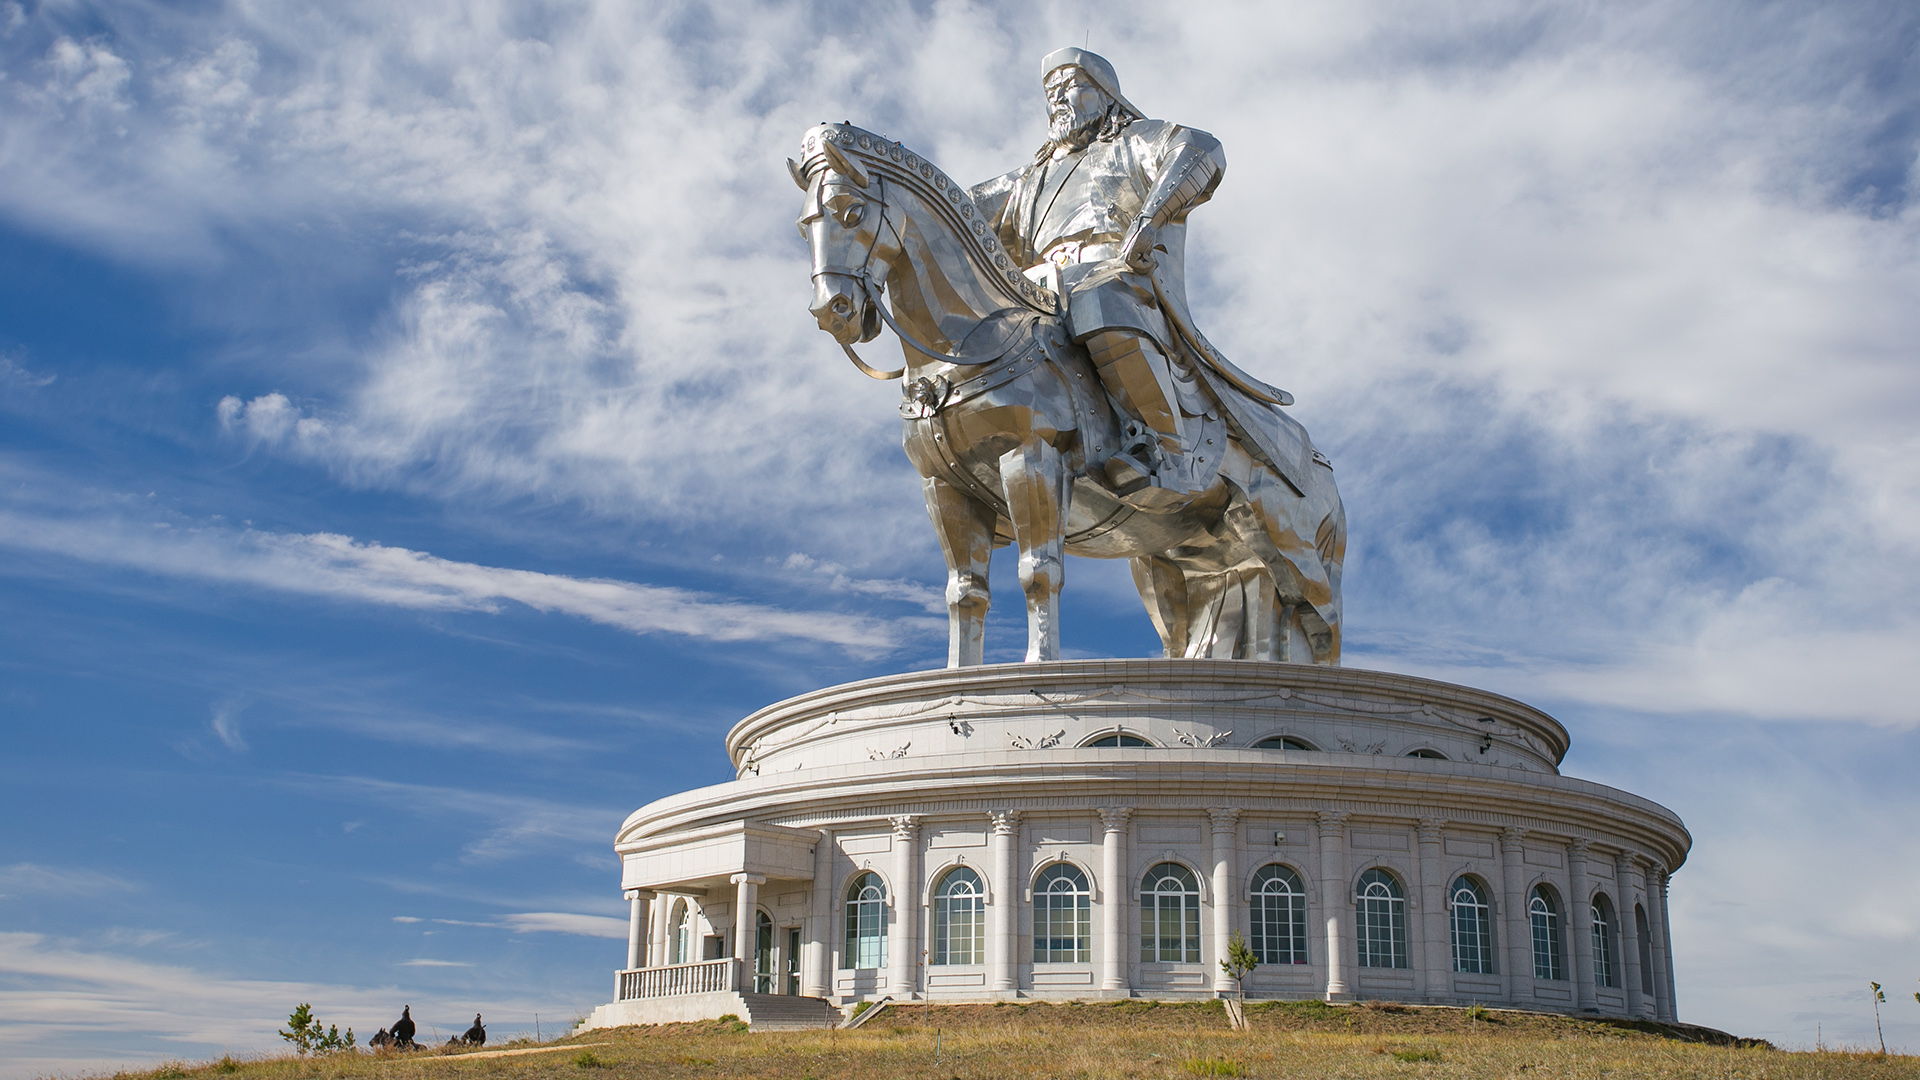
1095, 66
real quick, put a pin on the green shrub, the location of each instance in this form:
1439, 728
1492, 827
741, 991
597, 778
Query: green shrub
226, 1064
1416, 1055
305, 1034
586, 1060
1212, 1066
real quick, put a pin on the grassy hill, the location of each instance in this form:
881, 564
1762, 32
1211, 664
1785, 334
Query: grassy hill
1142, 1039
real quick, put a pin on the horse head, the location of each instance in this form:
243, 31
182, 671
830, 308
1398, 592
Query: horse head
845, 222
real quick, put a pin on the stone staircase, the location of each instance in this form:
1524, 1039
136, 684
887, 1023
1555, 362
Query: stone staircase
785, 1012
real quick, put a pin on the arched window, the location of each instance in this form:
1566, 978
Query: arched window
1279, 916
1062, 916
1169, 916
1645, 939
681, 950
866, 921
1605, 973
762, 953
1381, 920
1120, 738
1431, 755
1283, 742
960, 919
1548, 962
1472, 928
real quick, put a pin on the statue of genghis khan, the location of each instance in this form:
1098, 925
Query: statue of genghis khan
1104, 204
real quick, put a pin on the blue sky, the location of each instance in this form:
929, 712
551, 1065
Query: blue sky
415, 453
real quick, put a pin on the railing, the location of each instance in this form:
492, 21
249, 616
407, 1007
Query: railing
703, 977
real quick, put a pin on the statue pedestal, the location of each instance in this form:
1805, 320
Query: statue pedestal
1093, 829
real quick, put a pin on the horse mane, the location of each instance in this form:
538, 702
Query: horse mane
935, 188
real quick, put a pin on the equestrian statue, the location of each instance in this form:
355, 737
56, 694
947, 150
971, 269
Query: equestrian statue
1055, 391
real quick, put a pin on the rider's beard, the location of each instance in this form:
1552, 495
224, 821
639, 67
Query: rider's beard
1074, 128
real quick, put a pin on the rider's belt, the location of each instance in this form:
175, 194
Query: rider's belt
1071, 252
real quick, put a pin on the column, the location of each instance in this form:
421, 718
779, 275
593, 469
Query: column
1437, 961
1517, 927
1003, 916
1626, 873
903, 960
1666, 939
1662, 967
1580, 925
1226, 893
1113, 897
816, 963
638, 901
746, 905
658, 929
1334, 901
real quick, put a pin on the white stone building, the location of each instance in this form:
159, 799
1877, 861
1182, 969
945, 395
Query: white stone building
1099, 829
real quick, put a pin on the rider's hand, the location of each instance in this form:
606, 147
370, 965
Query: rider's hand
1137, 249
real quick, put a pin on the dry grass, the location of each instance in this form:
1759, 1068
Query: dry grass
1139, 1039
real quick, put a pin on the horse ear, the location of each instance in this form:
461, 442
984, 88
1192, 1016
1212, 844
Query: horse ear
843, 164
799, 175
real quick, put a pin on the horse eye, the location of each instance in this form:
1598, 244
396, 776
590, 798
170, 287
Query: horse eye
850, 215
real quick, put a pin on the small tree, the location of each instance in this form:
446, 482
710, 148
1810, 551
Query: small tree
305, 1034
1878, 997
1238, 964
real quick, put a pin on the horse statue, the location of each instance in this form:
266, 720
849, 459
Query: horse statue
1009, 426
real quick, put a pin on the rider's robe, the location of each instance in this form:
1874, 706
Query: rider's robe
1074, 211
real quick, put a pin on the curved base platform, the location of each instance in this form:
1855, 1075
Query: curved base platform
1104, 828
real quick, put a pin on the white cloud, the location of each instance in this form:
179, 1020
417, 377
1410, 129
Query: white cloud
509, 825
563, 922
435, 963
31, 879
339, 567
66, 1009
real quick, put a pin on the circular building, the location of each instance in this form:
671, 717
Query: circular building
1098, 829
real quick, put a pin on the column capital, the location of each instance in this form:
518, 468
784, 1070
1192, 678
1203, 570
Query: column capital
1331, 821
640, 894
1430, 829
1626, 862
1005, 822
749, 879
1114, 819
1511, 838
1580, 846
1223, 818
905, 826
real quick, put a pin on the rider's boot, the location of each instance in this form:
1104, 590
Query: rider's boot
1139, 377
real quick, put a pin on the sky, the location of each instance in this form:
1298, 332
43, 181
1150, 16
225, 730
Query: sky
415, 453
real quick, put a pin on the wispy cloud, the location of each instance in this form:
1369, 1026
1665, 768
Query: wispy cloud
30, 879
510, 825
435, 963
341, 568
65, 1009
564, 922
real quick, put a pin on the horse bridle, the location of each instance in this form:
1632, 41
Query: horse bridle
871, 294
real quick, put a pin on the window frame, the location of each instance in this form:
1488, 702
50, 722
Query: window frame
1050, 914
1279, 742
970, 907
1288, 923
865, 922
680, 929
1157, 916
1380, 920
1548, 932
1606, 937
1480, 911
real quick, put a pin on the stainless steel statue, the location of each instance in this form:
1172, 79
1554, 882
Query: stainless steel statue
1056, 392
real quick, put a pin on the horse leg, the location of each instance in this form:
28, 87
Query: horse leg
1035, 482
1163, 588
965, 528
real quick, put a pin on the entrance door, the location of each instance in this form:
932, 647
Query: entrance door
763, 954
793, 960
